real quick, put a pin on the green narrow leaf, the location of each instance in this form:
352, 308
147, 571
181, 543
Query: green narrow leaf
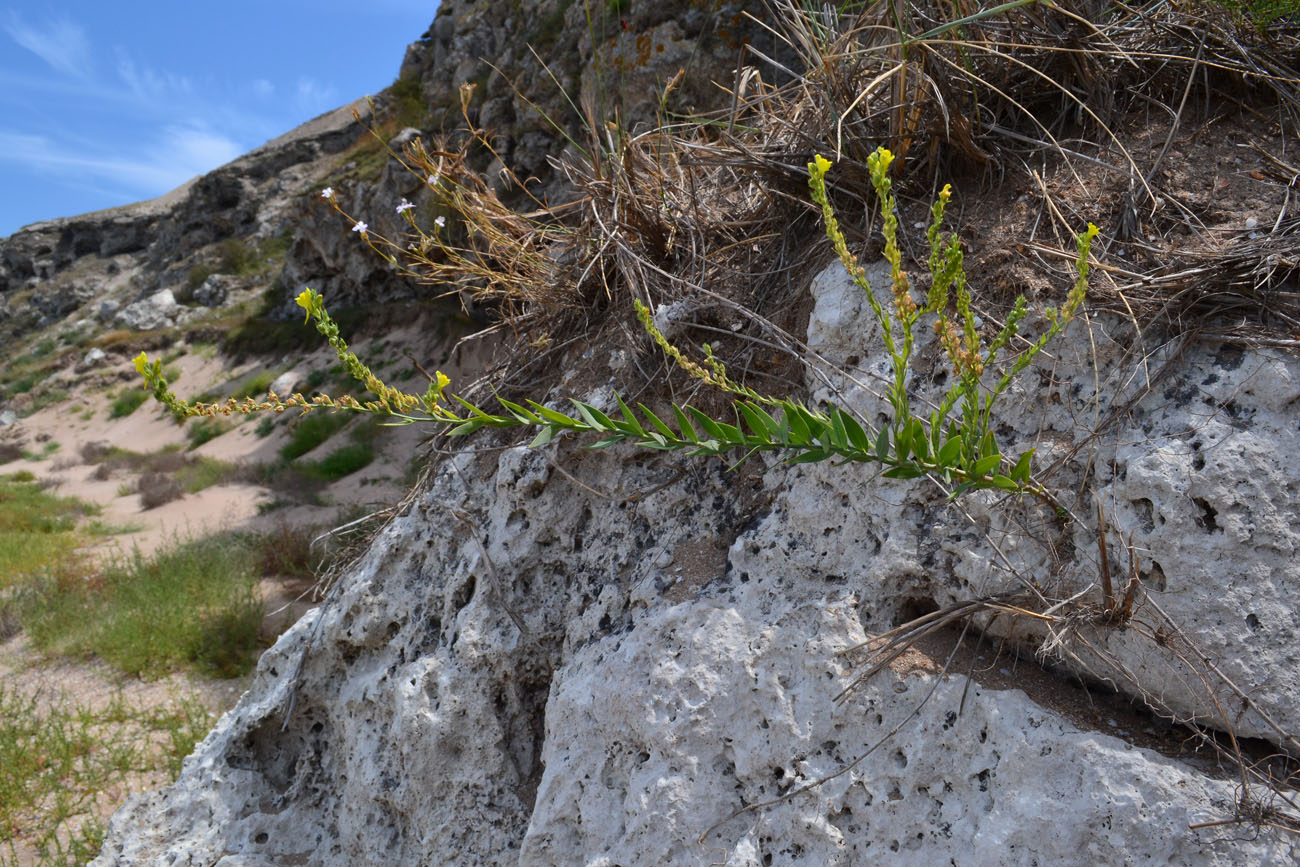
708, 425
760, 423
950, 452
839, 435
544, 436
857, 436
903, 442
920, 441
465, 428
799, 432
555, 417
519, 412
656, 444
809, 457
1020, 472
904, 471
882, 444
688, 432
985, 465
988, 446
1005, 483
594, 417
607, 441
629, 419
478, 413
659, 425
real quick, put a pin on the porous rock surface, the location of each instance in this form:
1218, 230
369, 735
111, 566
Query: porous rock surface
679, 658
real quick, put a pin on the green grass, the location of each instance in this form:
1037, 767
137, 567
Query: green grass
203, 430
37, 529
255, 386
127, 401
204, 473
339, 463
191, 605
46, 450
59, 762
311, 431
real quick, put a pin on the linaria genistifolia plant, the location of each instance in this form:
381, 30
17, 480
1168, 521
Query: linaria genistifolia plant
954, 443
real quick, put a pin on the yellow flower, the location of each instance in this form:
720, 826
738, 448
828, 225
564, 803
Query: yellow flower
141, 363
820, 165
307, 301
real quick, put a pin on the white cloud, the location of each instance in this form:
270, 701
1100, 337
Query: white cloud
195, 150
62, 44
147, 84
263, 88
178, 154
314, 97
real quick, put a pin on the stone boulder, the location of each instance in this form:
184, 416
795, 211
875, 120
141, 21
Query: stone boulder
214, 291
159, 310
638, 661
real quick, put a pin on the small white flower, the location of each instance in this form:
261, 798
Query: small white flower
327, 193
404, 206
433, 179
440, 222
360, 227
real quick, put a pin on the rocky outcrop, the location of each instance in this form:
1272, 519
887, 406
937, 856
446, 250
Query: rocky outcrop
618, 63
543, 667
128, 254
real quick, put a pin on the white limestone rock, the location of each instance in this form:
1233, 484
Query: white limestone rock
159, 310
653, 696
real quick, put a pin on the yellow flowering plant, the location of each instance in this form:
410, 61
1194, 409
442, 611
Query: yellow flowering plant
961, 450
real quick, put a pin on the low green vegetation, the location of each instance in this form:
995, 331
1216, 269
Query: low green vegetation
37, 530
341, 462
61, 763
205, 430
127, 401
191, 605
310, 431
255, 385
45, 451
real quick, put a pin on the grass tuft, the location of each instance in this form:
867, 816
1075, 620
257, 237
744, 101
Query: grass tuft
191, 605
127, 402
311, 431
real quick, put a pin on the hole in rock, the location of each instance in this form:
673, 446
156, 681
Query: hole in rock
913, 607
1207, 520
1145, 514
1153, 576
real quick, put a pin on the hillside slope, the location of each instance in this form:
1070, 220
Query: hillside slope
557, 655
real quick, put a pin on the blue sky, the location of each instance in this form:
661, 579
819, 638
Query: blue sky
105, 103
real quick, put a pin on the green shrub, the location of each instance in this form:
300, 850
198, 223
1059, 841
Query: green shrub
255, 385
197, 275
310, 431
339, 463
127, 402
191, 605
205, 429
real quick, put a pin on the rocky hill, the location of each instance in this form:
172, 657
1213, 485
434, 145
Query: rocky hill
556, 655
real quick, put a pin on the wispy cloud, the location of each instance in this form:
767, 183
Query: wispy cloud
314, 97
60, 43
263, 88
176, 155
146, 83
